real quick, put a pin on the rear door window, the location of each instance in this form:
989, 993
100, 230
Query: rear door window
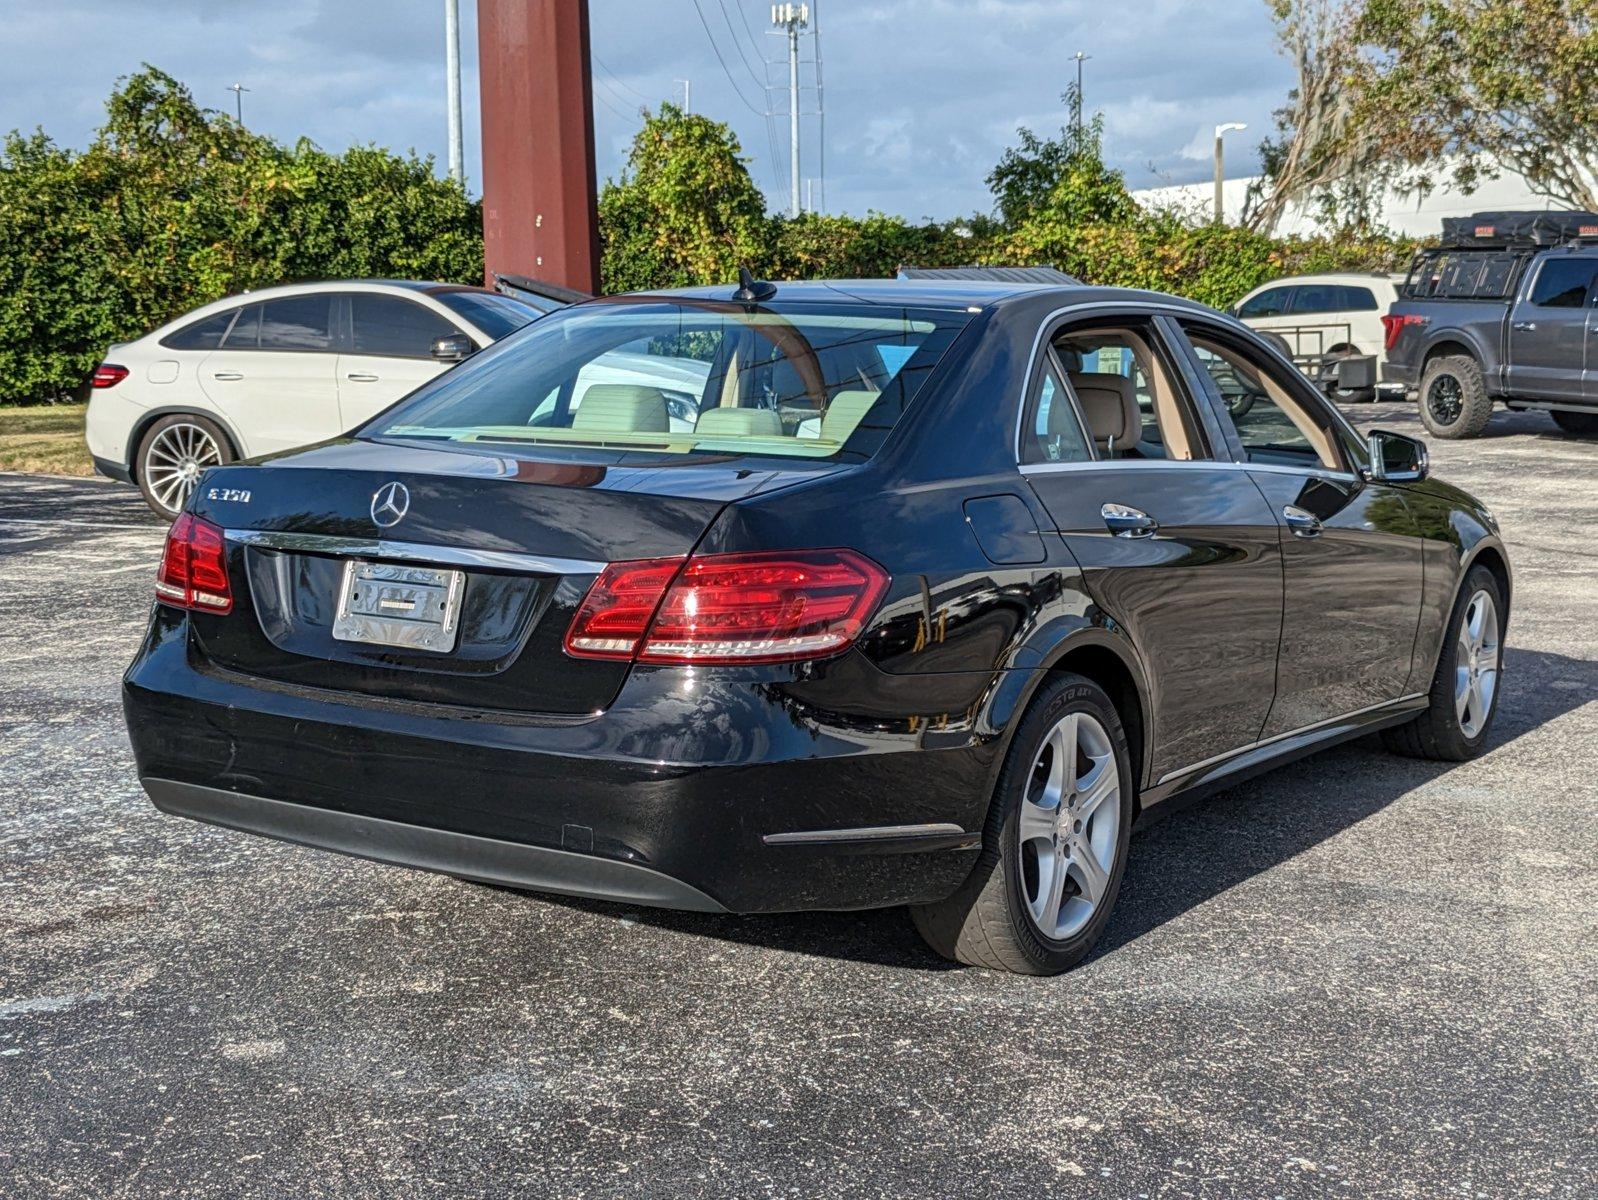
1563, 282
297, 323
393, 327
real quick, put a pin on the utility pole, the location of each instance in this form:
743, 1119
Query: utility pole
1077, 107
793, 18
452, 69
687, 95
238, 90
1220, 167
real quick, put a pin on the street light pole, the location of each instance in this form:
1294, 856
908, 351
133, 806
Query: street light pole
238, 90
452, 69
1220, 167
1077, 113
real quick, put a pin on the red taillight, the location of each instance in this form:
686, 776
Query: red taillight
728, 608
193, 570
1395, 325
108, 375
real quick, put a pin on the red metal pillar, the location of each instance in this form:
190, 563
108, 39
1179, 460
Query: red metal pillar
539, 195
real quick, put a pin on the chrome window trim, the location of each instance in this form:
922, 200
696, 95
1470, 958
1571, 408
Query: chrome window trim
1213, 464
421, 552
1140, 308
1281, 737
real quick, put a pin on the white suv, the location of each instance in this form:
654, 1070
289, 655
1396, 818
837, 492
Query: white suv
275, 369
1325, 316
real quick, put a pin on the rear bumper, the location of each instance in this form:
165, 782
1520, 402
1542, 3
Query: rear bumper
113, 470
1402, 375
487, 860
690, 791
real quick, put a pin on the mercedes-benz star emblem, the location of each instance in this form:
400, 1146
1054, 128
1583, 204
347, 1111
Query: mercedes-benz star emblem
390, 503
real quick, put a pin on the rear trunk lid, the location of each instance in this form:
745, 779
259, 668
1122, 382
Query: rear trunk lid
321, 589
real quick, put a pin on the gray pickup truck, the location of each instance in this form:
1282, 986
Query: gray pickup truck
1506, 311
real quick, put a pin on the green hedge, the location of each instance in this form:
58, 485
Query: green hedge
172, 206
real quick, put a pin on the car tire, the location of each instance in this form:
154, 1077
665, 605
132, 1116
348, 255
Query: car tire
1579, 423
1471, 662
1453, 397
1006, 915
173, 453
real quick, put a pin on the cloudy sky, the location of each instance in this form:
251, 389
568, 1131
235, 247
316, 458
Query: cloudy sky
921, 95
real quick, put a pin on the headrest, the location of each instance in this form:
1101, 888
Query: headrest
622, 408
739, 422
847, 410
1110, 406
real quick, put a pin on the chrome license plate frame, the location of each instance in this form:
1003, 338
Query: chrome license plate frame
398, 604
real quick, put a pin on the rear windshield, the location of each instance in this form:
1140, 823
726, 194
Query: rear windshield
680, 377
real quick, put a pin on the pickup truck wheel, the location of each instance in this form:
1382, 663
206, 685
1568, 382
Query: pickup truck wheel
1453, 397
1580, 424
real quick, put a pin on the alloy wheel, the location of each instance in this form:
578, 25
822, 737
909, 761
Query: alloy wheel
1445, 399
174, 461
1069, 826
1476, 665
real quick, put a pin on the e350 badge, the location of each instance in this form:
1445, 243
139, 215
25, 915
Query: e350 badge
237, 495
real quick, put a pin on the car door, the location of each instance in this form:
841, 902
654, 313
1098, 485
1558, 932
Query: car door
273, 374
1351, 549
387, 353
1548, 329
1178, 549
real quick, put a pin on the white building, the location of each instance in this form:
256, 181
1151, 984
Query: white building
1418, 216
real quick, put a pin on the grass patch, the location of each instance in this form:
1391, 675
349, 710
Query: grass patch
44, 439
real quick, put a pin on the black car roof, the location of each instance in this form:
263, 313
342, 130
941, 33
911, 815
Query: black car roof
937, 293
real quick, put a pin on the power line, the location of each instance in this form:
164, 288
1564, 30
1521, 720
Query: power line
643, 99
759, 83
765, 89
712, 37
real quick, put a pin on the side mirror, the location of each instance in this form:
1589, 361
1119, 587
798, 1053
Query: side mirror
1396, 458
452, 348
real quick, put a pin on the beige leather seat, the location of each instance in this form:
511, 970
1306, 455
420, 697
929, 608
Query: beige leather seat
1110, 407
738, 422
622, 408
847, 410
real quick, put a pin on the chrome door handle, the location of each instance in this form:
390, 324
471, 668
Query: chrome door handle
1303, 524
228, 375
1125, 521
1523, 326
362, 378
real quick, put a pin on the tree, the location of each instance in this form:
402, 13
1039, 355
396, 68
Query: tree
1063, 178
1322, 152
685, 211
1484, 84
173, 205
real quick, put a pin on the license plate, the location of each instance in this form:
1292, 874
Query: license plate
389, 604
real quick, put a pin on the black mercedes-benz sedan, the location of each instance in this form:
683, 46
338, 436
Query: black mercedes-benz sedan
815, 596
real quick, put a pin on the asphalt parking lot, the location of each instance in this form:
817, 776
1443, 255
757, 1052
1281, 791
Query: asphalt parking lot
1360, 976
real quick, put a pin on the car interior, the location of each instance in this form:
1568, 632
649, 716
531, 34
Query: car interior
1124, 398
